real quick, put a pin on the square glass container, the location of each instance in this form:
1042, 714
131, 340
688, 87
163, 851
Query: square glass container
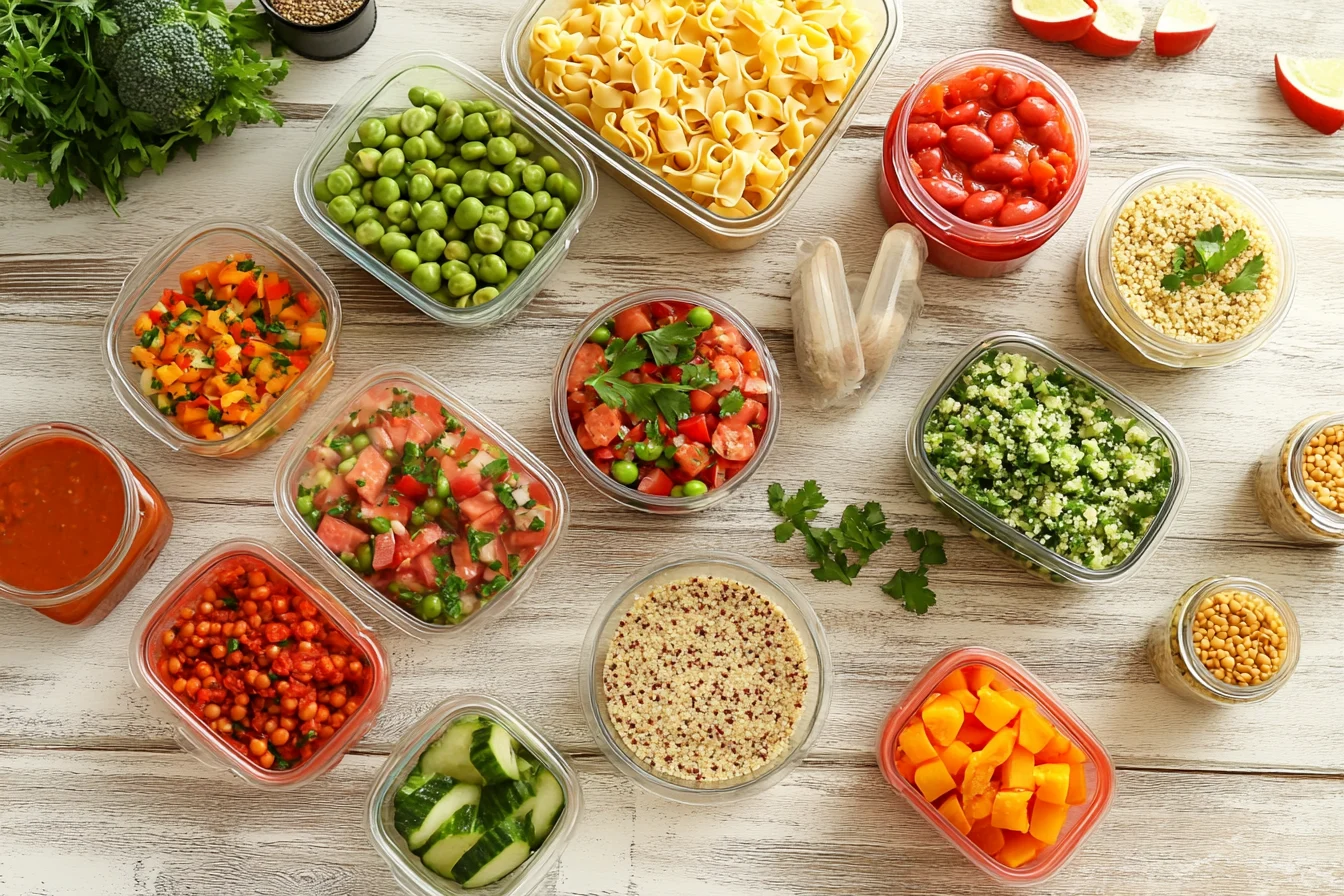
1002, 538
298, 457
211, 241
190, 731
410, 873
383, 93
716, 230
1083, 819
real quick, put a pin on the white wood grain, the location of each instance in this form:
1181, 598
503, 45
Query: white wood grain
78, 742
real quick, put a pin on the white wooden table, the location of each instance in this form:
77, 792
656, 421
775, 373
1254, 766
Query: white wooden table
96, 798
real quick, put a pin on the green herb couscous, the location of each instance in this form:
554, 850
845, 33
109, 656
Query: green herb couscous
1043, 452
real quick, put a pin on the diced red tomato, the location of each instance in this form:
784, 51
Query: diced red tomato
384, 546
540, 493
491, 520
478, 505
692, 458
603, 424
714, 476
633, 321
580, 400
332, 494
371, 469
752, 412
656, 482
465, 485
428, 405
425, 539
467, 569
585, 441
411, 487
588, 360
470, 442
423, 564
734, 441
755, 387
399, 512
696, 427
702, 401
339, 536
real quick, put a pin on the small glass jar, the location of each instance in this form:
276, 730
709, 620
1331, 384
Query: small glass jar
145, 527
1171, 647
1120, 328
1281, 488
958, 246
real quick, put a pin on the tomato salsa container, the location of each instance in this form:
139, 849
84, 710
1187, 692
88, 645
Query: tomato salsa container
631, 497
1120, 328
190, 731
383, 93
299, 456
1083, 819
716, 230
958, 246
142, 522
159, 270
996, 534
410, 874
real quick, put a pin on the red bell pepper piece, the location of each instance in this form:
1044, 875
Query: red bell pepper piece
246, 289
411, 487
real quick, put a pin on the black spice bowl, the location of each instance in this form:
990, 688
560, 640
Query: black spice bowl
335, 40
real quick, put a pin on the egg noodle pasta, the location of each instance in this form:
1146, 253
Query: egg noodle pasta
722, 98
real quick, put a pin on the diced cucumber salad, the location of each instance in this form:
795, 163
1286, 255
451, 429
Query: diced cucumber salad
1041, 450
477, 804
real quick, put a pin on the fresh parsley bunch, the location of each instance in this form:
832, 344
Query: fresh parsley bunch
862, 531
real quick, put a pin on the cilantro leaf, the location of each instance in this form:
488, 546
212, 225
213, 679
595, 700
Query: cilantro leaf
477, 540
1248, 280
915, 539
674, 404
496, 467
807, 501
861, 530
1208, 243
731, 403
912, 589
698, 375
1235, 245
672, 344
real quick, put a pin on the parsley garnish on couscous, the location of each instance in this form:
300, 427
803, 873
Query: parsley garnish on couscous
1043, 452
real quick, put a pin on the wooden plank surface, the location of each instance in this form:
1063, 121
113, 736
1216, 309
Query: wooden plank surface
77, 742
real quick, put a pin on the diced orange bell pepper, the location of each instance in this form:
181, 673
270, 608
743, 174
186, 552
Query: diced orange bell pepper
1019, 849
229, 275
952, 811
144, 357
943, 718
933, 779
980, 767
914, 740
168, 374
1047, 820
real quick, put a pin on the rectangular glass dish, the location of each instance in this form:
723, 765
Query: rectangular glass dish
997, 534
716, 230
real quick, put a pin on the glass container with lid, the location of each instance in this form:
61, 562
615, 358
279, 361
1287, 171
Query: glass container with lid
1281, 489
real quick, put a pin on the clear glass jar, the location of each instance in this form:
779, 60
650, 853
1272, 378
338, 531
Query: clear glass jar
1120, 328
411, 875
159, 270
1171, 648
996, 534
191, 732
955, 245
146, 524
630, 497
1281, 488
720, 232
1099, 770
773, 587
384, 92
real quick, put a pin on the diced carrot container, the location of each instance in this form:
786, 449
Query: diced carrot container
1022, 819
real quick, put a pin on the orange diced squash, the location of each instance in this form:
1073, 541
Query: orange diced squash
1077, 794
933, 779
986, 836
1047, 820
952, 811
1019, 849
994, 710
980, 767
967, 700
1017, 771
955, 681
144, 357
914, 740
904, 767
978, 677
1055, 751
312, 335
1075, 756
1034, 732
1018, 699
1052, 782
1010, 810
973, 734
168, 374
943, 718
955, 757
981, 805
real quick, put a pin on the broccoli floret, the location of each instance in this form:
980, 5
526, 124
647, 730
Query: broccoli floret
162, 71
133, 15
216, 45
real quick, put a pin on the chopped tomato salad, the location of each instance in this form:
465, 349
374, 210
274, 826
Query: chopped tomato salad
991, 146
425, 509
262, 665
668, 398
216, 354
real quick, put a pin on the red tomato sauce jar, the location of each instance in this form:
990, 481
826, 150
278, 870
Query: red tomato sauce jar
986, 155
79, 524
266, 674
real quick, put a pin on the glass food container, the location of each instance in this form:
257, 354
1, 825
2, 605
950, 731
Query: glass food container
1120, 328
716, 230
1281, 489
411, 875
145, 526
769, 584
955, 245
1171, 647
384, 92
191, 732
996, 534
1083, 818
630, 497
159, 270
299, 455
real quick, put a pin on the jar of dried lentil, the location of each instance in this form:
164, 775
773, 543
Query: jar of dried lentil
1228, 640
1133, 244
322, 29
1299, 483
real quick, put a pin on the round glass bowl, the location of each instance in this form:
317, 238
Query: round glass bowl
631, 497
1281, 488
769, 584
956, 245
1171, 648
1120, 328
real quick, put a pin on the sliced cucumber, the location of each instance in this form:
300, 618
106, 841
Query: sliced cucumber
527, 768
512, 799
493, 754
502, 849
550, 800
451, 754
417, 779
413, 805
461, 794
457, 835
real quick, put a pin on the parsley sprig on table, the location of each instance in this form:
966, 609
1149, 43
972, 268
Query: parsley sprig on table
912, 588
862, 531
1213, 252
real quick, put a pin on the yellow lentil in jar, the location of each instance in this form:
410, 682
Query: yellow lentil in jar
1323, 467
1239, 637
1143, 246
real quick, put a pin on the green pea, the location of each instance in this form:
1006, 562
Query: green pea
392, 162
380, 524
450, 107
442, 177
393, 124
518, 254
392, 141
488, 238
508, 280
433, 98
414, 148
356, 197
385, 192
570, 193
549, 163
475, 183
555, 184
366, 191
304, 504
420, 188
493, 269
364, 558
495, 213
473, 150
521, 205
452, 195
391, 454
514, 168
500, 121
451, 268
625, 472
474, 262
417, 96
501, 151
403, 181
535, 221
602, 335
482, 106
421, 166
366, 161
449, 151
321, 192
432, 506
313, 518
500, 183
404, 261
392, 242
429, 247
341, 209
442, 487
365, 213
522, 143
462, 283
520, 230
541, 239
534, 178
371, 132
700, 318
474, 127
433, 216
417, 120
648, 451
501, 203
399, 211
542, 200
460, 167
426, 277
339, 182
433, 145
554, 218
694, 488
368, 233
468, 213
449, 127
677, 492
346, 465
430, 607
487, 166
483, 295
457, 251
453, 232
